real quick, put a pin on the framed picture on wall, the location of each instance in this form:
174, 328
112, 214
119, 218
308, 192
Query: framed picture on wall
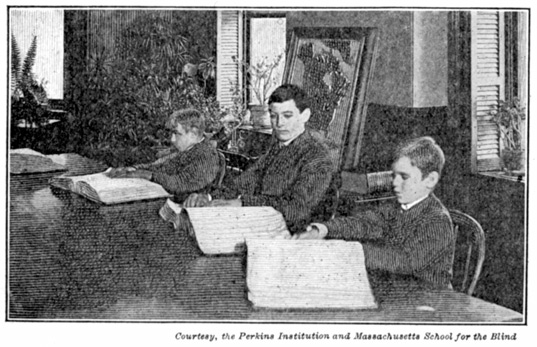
334, 66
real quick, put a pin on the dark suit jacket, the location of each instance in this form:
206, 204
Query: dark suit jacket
182, 173
419, 242
293, 179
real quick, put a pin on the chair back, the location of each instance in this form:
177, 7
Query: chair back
328, 206
332, 197
221, 170
470, 249
379, 182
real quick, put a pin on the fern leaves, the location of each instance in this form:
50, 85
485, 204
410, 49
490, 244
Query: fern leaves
23, 83
15, 64
29, 62
22, 75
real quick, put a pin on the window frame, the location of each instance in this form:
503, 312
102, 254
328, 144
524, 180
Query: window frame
247, 18
54, 35
487, 87
462, 84
230, 31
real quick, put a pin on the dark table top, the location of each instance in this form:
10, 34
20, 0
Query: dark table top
70, 258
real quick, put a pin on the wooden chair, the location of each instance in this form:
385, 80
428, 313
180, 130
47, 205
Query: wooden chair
222, 170
366, 183
332, 197
471, 238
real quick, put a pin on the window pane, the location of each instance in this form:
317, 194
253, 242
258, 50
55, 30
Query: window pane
47, 26
267, 41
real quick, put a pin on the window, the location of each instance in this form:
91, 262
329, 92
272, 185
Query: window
47, 26
498, 74
250, 37
487, 66
266, 41
488, 87
229, 43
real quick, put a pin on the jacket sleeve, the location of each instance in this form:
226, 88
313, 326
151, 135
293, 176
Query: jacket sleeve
385, 250
429, 242
295, 204
367, 226
200, 171
160, 161
242, 185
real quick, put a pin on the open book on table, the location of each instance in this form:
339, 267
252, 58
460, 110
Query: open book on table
100, 188
224, 230
307, 274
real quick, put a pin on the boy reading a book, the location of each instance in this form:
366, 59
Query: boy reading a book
413, 238
191, 167
292, 177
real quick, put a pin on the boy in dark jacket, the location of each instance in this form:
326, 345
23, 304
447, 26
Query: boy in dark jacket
413, 237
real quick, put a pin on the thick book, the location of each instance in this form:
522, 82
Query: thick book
100, 188
323, 274
28, 161
225, 230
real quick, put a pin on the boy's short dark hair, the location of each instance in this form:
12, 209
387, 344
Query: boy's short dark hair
189, 118
424, 153
288, 92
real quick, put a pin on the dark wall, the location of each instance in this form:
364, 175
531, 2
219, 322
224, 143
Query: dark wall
498, 204
411, 65
393, 76
386, 126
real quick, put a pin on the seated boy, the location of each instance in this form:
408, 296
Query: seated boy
190, 167
292, 176
414, 237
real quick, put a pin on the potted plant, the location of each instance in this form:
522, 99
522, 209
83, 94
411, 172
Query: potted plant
262, 78
29, 100
122, 101
510, 117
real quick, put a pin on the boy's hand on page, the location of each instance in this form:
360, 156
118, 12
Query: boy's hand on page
113, 172
197, 200
225, 203
139, 173
314, 231
119, 172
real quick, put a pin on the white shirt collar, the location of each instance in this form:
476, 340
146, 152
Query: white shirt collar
286, 143
408, 206
192, 145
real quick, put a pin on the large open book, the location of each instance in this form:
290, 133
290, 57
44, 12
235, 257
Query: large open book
103, 189
307, 274
224, 230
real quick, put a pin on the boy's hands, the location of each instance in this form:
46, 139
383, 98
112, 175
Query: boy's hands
119, 172
129, 172
197, 200
225, 203
314, 231
204, 200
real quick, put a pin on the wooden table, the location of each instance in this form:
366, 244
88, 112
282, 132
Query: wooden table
70, 258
